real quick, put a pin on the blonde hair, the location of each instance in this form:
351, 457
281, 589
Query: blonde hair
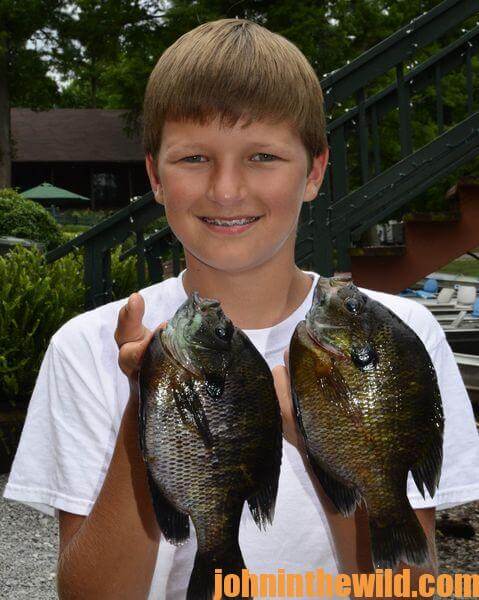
234, 68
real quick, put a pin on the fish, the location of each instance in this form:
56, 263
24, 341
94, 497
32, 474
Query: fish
368, 406
210, 435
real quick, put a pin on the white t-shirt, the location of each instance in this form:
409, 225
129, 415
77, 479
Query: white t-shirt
80, 395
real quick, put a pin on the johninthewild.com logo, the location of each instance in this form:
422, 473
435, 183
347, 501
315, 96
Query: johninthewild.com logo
319, 584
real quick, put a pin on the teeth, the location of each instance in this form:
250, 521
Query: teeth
230, 223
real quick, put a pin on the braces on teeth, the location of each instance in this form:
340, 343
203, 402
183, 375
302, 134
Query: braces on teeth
230, 223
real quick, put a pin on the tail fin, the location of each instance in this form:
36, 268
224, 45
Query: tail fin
393, 542
202, 580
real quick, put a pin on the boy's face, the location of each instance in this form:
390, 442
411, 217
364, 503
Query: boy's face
259, 171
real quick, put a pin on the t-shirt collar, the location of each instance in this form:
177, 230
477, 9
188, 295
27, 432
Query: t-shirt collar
271, 339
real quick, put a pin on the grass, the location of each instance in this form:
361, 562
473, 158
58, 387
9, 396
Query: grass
468, 268
76, 229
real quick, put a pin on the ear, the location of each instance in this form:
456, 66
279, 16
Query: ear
154, 179
315, 178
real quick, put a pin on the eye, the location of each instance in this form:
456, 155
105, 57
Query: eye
221, 333
188, 158
352, 305
269, 156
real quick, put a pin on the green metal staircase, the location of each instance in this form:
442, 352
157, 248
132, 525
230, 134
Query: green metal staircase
359, 189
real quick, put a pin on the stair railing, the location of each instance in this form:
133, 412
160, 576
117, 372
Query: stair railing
99, 241
340, 214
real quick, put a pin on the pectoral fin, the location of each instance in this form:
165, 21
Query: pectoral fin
345, 498
189, 406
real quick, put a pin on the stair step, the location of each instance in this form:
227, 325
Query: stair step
397, 250
466, 186
437, 217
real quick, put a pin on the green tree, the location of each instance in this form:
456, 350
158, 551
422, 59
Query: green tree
106, 50
100, 39
328, 33
23, 72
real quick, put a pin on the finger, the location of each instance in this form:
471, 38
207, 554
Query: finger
131, 354
280, 377
130, 327
286, 360
161, 326
282, 386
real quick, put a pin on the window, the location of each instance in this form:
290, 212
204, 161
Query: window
105, 189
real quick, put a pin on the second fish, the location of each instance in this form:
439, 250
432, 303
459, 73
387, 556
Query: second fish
369, 408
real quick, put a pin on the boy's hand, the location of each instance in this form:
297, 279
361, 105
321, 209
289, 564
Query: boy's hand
132, 338
283, 391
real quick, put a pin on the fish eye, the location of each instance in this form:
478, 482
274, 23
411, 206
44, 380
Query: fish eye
352, 304
221, 333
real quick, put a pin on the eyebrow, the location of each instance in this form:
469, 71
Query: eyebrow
200, 146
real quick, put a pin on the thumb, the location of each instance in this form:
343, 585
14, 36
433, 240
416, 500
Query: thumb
130, 327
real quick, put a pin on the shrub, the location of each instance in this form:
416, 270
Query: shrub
35, 300
23, 218
124, 275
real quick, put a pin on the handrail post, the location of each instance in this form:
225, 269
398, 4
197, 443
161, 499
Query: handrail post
322, 242
363, 135
97, 274
140, 258
405, 134
339, 165
343, 243
439, 99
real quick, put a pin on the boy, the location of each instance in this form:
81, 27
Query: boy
235, 142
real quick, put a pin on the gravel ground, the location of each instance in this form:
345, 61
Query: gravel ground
29, 542
458, 554
28, 551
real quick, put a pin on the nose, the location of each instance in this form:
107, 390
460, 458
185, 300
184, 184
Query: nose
226, 185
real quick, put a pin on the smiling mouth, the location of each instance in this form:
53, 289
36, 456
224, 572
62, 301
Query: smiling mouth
232, 222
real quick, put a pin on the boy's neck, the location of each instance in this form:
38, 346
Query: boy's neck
255, 299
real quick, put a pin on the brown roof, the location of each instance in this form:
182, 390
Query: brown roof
72, 135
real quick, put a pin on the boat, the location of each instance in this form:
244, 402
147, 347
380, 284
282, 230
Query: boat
465, 346
459, 321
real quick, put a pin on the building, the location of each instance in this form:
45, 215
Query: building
83, 150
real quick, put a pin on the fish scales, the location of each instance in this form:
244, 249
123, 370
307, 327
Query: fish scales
175, 461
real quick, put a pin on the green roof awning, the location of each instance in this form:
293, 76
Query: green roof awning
48, 194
